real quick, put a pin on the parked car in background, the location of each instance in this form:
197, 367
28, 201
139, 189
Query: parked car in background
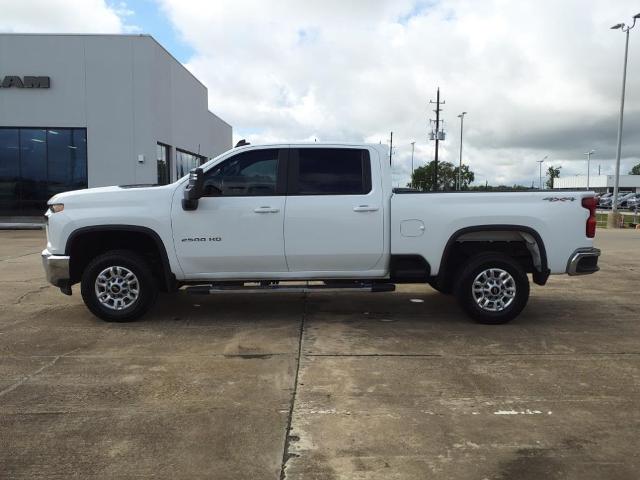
606, 202
622, 198
634, 203
602, 199
624, 202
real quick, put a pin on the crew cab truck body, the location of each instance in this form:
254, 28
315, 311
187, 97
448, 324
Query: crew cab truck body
272, 214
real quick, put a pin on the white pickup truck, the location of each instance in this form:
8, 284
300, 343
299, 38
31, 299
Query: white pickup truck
311, 217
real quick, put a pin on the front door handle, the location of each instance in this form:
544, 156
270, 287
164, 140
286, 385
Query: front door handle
266, 209
365, 208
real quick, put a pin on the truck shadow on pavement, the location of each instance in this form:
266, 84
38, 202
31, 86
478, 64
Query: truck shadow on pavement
421, 307
424, 306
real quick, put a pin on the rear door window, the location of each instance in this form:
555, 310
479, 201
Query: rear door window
330, 171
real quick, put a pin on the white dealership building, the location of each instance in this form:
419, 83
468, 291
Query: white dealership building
81, 111
598, 183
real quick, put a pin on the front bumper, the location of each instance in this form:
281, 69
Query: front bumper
583, 261
56, 269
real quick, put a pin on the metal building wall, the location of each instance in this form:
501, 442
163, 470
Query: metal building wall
128, 92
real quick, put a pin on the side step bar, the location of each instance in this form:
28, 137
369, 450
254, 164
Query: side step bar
305, 288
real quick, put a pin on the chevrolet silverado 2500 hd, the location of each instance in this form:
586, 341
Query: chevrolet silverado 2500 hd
261, 218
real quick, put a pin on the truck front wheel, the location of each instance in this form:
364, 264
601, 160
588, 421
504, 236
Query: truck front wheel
118, 286
492, 288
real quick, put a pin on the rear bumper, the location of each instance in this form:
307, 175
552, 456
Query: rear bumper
56, 269
583, 261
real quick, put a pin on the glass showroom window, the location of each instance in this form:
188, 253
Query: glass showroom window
9, 170
37, 163
164, 166
185, 161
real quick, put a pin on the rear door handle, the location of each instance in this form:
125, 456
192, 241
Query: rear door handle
266, 209
365, 208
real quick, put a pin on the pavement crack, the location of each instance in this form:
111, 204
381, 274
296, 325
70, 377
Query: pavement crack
286, 455
249, 356
28, 377
31, 292
18, 256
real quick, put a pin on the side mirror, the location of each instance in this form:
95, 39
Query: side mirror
194, 189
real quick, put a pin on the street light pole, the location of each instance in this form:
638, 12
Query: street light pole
588, 154
413, 147
461, 117
612, 221
540, 163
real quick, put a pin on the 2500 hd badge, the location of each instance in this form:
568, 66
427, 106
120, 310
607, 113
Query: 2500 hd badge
202, 239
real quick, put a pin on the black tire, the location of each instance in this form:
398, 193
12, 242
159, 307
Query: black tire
147, 288
467, 298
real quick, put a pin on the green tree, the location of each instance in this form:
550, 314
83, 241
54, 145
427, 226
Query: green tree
500, 188
422, 178
635, 170
552, 172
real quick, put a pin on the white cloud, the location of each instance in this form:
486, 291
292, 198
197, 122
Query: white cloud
63, 16
537, 77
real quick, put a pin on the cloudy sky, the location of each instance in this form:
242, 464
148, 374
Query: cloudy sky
537, 77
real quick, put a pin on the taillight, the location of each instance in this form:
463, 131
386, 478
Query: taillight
590, 204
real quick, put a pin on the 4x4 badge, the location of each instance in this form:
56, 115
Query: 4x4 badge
559, 199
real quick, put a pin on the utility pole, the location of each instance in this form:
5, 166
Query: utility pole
540, 183
413, 147
461, 117
614, 203
588, 154
437, 136
390, 148
540, 162
612, 220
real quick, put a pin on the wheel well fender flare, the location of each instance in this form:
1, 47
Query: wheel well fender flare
169, 277
539, 277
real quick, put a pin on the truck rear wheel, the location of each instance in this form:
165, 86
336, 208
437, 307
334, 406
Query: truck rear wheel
492, 288
118, 286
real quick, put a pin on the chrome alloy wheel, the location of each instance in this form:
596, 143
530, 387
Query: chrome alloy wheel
117, 288
494, 289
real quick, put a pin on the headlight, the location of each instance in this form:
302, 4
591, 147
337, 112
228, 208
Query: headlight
56, 207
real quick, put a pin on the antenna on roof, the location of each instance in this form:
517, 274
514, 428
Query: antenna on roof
242, 143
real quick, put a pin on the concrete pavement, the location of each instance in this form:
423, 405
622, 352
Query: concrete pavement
366, 386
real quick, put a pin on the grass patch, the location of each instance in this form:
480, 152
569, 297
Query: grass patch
627, 218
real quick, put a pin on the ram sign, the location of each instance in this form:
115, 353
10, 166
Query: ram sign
28, 81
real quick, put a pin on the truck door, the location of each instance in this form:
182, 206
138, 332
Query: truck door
334, 220
237, 229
